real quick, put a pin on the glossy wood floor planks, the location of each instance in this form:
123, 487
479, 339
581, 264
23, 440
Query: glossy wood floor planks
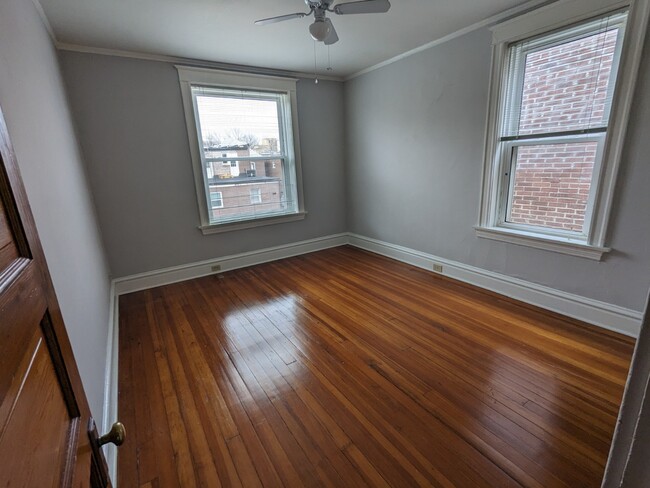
342, 368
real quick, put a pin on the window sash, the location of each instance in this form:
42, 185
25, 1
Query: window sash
517, 52
281, 101
274, 157
507, 170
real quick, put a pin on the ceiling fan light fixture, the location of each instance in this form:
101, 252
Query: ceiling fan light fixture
320, 29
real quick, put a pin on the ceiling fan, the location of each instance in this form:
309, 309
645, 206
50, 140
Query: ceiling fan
322, 28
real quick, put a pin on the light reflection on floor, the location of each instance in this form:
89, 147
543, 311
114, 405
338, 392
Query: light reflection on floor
264, 333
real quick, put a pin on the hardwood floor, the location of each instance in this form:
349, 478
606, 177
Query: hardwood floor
342, 368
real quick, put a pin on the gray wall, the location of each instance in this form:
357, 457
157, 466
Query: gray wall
415, 132
34, 104
132, 131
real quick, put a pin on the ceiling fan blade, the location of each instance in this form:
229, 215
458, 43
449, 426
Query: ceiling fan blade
363, 7
280, 18
333, 36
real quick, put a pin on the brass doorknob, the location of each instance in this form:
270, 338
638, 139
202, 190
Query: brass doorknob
116, 435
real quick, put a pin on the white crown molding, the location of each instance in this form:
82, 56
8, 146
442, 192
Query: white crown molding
605, 315
241, 68
64, 46
461, 32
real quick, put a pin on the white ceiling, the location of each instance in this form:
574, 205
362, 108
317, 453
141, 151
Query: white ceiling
223, 30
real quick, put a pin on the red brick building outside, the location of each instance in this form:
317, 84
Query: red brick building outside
243, 187
565, 88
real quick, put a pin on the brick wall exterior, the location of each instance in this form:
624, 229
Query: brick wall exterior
235, 193
552, 185
561, 85
237, 199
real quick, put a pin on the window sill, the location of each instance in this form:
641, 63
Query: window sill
549, 243
248, 224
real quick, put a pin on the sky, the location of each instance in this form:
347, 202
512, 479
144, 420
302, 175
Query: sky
219, 115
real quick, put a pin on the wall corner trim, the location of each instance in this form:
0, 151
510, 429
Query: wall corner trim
45, 20
605, 315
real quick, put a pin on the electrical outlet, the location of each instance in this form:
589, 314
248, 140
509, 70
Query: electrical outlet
216, 267
437, 268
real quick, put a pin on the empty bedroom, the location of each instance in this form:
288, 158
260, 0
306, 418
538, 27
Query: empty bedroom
324, 243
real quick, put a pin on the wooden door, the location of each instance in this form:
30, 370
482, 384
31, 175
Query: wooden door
44, 414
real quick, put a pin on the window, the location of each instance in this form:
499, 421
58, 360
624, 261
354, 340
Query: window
235, 120
554, 136
216, 199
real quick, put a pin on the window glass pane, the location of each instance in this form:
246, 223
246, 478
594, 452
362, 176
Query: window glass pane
567, 86
229, 121
551, 185
247, 192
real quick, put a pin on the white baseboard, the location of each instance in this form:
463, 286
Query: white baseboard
110, 414
190, 271
595, 312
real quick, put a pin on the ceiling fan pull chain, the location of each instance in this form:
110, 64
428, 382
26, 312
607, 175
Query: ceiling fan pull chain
329, 59
315, 76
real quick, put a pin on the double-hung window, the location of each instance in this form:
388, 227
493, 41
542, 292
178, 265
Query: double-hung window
561, 87
244, 144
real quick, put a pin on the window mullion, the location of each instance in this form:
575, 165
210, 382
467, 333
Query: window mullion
559, 134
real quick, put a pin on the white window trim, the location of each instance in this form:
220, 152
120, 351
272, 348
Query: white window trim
557, 15
249, 224
189, 76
